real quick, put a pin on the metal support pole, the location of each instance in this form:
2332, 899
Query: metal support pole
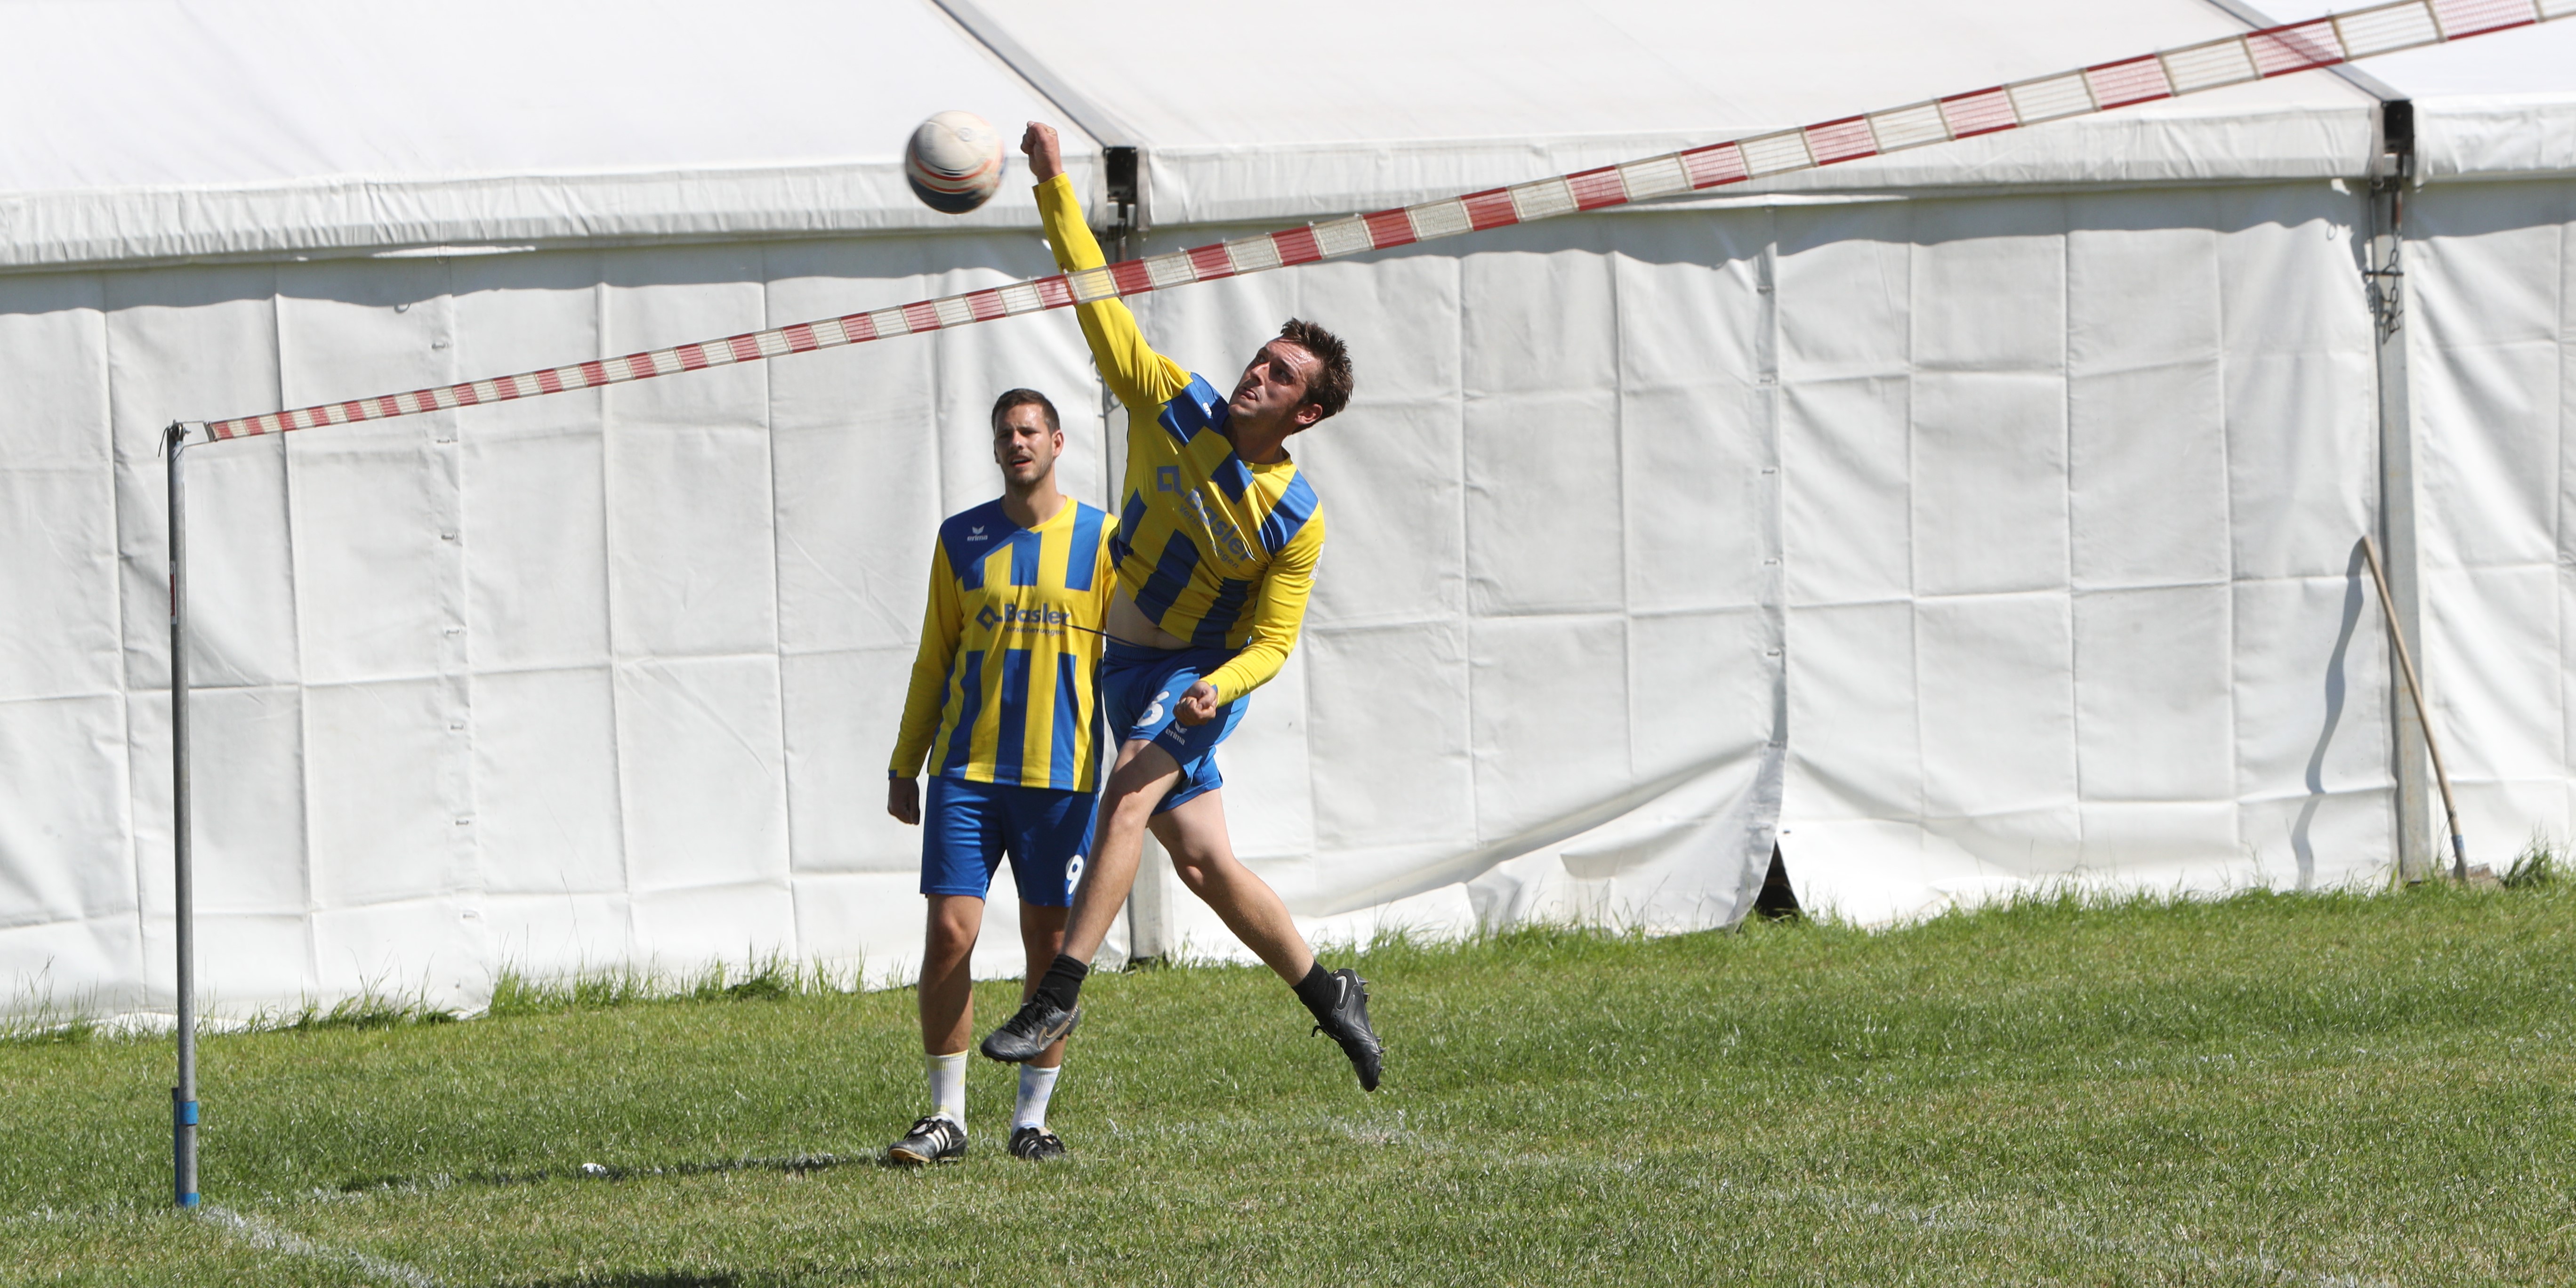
1148, 913
2384, 277
183, 1098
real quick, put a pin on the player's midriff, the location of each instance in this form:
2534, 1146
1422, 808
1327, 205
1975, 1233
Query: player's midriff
1128, 624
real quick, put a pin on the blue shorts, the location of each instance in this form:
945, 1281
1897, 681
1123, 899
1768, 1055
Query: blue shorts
966, 828
1139, 687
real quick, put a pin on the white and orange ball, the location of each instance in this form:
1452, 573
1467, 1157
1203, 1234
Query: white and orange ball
954, 162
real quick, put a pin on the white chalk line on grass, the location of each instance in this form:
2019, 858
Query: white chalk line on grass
268, 1238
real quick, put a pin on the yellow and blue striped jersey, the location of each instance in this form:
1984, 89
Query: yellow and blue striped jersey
1003, 687
1213, 548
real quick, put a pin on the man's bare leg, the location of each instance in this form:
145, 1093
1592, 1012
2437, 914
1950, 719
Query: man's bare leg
1195, 833
1144, 776
947, 1016
947, 993
1203, 854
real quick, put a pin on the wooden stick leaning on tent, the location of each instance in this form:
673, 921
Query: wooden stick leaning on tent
2415, 690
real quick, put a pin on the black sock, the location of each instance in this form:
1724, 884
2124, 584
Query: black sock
1062, 983
1318, 991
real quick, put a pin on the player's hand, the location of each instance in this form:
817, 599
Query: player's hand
903, 800
1046, 155
1198, 706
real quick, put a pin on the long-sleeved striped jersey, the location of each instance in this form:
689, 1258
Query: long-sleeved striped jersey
1003, 687
1213, 548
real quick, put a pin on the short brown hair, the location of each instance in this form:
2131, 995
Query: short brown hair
1330, 386
1021, 398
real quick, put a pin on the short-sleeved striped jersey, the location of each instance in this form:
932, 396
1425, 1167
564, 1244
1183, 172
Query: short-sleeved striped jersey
1214, 549
1003, 686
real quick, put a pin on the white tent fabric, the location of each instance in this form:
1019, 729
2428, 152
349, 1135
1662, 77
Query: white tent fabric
1428, 103
2491, 272
170, 129
535, 685
2490, 265
258, 126
1989, 520
2074, 491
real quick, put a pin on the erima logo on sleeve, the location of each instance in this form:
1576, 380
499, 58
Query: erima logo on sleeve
975, 533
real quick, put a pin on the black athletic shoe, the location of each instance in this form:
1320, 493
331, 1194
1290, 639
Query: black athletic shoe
1348, 1024
1036, 1144
1029, 1033
931, 1140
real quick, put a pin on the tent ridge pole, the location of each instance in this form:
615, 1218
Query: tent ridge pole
183, 1097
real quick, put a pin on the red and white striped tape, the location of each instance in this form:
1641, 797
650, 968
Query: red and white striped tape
2233, 60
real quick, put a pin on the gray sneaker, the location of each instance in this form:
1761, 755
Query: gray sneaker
932, 1140
1027, 1034
1036, 1144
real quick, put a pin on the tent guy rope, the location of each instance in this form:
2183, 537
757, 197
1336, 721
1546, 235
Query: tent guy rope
2190, 69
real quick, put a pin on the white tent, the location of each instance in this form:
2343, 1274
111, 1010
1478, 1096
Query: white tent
1974, 516
2490, 263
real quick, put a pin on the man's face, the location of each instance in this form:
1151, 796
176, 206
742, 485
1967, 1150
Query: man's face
1024, 447
1273, 388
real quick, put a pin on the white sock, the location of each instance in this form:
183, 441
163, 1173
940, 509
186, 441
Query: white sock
1037, 1086
948, 1086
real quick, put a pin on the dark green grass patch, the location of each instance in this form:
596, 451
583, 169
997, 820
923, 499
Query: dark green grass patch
2267, 1089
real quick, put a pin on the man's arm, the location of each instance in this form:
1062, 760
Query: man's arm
1142, 378
1276, 617
943, 624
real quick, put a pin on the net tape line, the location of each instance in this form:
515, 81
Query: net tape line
2232, 60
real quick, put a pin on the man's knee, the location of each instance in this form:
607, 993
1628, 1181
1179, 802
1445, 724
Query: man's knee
1195, 874
952, 934
1148, 772
1130, 806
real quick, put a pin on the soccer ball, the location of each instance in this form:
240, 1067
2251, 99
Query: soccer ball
954, 162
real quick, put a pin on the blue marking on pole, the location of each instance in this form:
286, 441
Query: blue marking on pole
188, 1113
188, 1200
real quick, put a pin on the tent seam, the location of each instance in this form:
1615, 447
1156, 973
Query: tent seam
2236, 579
601, 318
458, 681
1468, 618
2066, 449
2566, 341
295, 600
1627, 531
117, 515
1913, 536
777, 624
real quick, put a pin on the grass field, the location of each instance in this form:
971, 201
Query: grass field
2263, 1090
